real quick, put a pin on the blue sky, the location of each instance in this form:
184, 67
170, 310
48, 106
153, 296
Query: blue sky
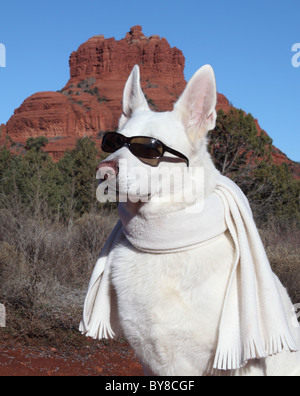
248, 43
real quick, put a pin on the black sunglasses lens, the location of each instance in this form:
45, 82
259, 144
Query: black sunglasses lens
146, 148
112, 142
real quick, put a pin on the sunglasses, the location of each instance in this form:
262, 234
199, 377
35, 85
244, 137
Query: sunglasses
148, 149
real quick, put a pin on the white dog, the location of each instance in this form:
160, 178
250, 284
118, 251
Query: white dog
171, 290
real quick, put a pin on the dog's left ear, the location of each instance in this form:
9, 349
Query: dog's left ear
133, 97
197, 105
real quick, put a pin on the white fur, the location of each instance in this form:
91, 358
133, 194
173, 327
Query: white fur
170, 304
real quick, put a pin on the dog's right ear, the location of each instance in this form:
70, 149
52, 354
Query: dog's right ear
133, 97
196, 107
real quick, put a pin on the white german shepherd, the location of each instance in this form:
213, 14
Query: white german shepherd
169, 305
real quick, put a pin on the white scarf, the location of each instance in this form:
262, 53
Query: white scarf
253, 323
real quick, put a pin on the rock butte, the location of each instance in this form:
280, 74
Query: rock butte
91, 101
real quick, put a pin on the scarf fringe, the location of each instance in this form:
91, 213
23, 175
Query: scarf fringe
98, 331
279, 342
227, 360
235, 359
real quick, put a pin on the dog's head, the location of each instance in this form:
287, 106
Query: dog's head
138, 168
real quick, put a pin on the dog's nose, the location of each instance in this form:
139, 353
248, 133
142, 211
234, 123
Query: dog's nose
107, 170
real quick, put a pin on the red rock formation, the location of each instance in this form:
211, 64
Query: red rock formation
223, 103
91, 101
100, 68
53, 114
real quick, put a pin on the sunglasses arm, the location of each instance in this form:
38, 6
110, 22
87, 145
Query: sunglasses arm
178, 154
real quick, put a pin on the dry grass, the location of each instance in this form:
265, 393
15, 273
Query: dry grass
283, 250
45, 267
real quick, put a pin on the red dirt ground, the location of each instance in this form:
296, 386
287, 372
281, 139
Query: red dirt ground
91, 359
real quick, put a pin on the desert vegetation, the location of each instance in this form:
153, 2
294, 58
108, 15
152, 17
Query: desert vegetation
51, 233
52, 228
